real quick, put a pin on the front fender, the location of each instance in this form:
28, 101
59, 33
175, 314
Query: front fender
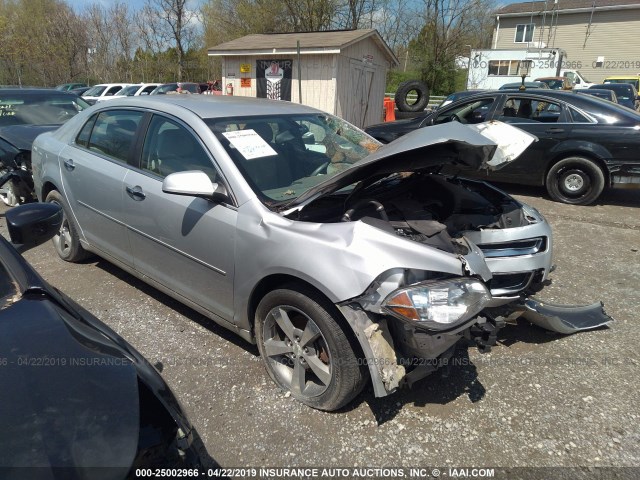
340, 259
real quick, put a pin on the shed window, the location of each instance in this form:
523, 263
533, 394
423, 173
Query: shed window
524, 32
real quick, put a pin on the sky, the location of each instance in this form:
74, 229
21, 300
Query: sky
79, 5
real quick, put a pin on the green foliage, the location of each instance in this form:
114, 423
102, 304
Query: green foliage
395, 77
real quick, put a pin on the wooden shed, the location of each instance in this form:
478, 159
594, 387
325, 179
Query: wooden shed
341, 72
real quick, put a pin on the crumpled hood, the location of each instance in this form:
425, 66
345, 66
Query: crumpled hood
484, 145
22, 136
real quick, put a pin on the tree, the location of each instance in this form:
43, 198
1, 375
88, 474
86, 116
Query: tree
450, 27
43, 42
178, 22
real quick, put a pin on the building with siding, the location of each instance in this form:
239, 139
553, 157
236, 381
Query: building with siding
340, 72
600, 37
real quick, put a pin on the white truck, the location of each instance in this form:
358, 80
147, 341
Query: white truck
490, 69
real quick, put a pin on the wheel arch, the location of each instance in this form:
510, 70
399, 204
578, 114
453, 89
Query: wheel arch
280, 280
597, 159
47, 187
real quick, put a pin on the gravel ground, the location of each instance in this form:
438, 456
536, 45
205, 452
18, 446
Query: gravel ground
537, 399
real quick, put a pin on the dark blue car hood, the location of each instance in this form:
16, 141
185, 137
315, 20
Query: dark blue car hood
22, 136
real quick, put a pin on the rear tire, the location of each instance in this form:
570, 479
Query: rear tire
305, 350
67, 240
575, 180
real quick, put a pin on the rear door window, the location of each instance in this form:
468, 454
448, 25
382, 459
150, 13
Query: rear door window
530, 110
111, 133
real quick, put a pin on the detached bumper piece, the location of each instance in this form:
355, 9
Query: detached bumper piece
565, 319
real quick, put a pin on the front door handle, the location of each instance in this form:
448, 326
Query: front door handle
68, 164
554, 130
136, 193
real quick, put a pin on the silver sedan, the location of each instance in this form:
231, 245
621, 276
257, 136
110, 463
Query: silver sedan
344, 260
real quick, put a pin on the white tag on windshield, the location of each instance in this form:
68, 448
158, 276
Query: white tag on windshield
249, 144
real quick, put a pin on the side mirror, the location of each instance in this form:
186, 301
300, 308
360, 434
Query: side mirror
33, 224
194, 183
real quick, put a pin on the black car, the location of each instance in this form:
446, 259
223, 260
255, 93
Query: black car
600, 93
584, 143
25, 113
75, 395
626, 93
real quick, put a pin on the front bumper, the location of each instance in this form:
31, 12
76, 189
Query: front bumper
564, 319
518, 258
397, 353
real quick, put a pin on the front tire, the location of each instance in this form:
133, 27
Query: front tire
67, 240
575, 180
305, 350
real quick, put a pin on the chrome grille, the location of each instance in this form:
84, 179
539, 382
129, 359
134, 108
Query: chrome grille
515, 248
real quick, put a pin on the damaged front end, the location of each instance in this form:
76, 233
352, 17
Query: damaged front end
407, 332
565, 319
405, 217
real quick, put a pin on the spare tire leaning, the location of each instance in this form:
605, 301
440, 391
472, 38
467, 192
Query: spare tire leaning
404, 89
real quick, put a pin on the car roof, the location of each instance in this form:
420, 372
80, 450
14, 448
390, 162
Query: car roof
612, 86
33, 91
110, 84
215, 106
550, 78
534, 84
583, 102
595, 90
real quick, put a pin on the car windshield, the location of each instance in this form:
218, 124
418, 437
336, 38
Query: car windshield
8, 288
555, 84
631, 81
38, 109
165, 88
623, 91
128, 91
281, 156
601, 94
95, 91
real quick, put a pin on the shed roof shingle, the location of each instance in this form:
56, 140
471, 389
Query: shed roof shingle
328, 40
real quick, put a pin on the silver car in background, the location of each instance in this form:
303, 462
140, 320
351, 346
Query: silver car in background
344, 260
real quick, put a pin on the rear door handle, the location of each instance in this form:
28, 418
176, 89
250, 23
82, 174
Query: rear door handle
136, 193
68, 164
554, 130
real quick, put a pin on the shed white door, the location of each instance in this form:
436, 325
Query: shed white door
360, 88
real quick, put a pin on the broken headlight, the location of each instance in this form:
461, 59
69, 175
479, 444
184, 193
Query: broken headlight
440, 304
